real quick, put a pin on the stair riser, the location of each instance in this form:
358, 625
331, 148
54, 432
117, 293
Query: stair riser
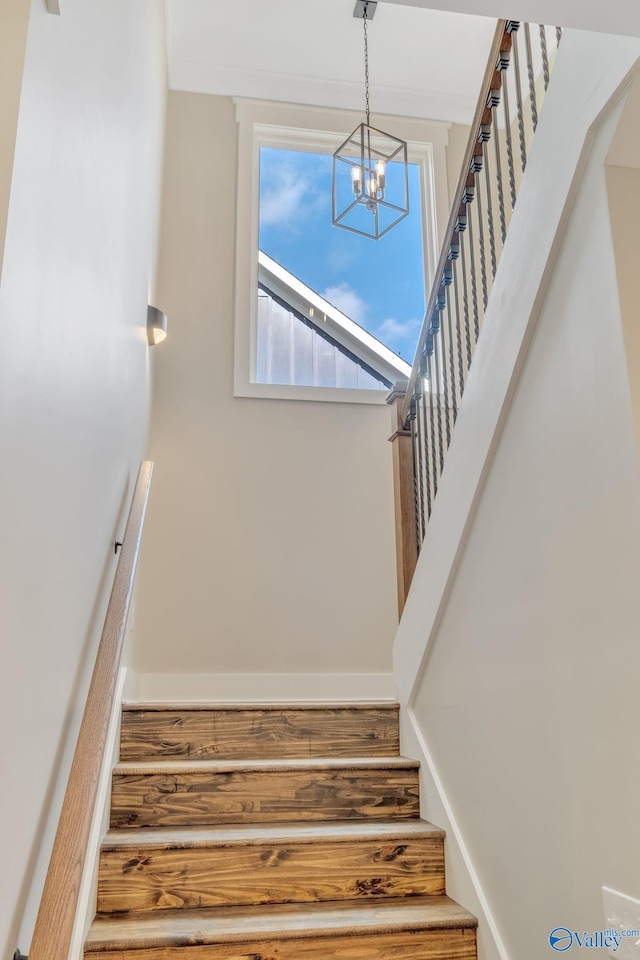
143, 879
258, 734
261, 796
420, 945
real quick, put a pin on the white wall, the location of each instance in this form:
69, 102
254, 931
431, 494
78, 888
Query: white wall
517, 657
269, 546
79, 257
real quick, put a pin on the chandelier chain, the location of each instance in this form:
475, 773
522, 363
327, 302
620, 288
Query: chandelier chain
366, 64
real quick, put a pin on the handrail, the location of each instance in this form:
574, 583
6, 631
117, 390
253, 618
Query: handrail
58, 906
517, 75
482, 117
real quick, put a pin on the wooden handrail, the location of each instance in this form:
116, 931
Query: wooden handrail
482, 117
56, 916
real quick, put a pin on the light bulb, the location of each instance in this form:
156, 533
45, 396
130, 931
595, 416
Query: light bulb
356, 179
381, 173
373, 187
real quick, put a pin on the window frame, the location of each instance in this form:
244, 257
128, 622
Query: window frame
317, 130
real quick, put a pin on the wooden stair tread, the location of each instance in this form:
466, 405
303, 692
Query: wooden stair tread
181, 767
336, 831
275, 705
281, 922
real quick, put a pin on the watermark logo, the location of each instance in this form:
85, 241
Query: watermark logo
562, 939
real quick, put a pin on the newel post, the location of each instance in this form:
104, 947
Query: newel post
403, 495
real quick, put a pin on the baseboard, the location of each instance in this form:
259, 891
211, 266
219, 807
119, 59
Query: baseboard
258, 687
88, 885
463, 883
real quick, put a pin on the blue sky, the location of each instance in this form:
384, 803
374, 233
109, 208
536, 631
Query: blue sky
378, 283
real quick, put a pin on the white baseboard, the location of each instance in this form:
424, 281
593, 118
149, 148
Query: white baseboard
88, 885
259, 687
463, 883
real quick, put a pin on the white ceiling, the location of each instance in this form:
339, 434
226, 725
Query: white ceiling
614, 16
424, 63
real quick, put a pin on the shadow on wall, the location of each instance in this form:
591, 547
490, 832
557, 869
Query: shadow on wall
623, 190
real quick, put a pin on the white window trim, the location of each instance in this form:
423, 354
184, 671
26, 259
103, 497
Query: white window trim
264, 124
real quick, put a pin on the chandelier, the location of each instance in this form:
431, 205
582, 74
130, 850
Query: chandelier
370, 172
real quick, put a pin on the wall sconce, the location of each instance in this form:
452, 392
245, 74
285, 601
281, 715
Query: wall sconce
156, 325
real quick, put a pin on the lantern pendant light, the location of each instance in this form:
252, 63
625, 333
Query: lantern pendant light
370, 172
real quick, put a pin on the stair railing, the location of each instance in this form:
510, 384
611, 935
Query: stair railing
517, 77
59, 903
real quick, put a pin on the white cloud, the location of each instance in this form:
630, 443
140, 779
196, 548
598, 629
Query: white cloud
289, 194
281, 201
392, 329
345, 298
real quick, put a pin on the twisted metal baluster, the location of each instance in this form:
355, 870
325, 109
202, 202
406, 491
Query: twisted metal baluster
465, 299
436, 366
492, 238
458, 334
532, 78
432, 431
507, 128
416, 501
445, 378
422, 450
494, 100
448, 280
472, 271
477, 167
545, 55
512, 27
558, 36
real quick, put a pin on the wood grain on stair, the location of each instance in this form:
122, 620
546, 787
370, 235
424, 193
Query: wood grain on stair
427, 945
205, 792
260, 732
210, 871
434, 929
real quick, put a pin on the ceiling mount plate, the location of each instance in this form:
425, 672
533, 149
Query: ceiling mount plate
362, 5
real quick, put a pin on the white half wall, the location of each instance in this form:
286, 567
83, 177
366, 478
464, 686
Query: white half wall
517, 657
74, 380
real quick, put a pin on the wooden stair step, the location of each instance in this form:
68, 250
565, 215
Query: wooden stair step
146, 870
236, 732
197, 793
419, 929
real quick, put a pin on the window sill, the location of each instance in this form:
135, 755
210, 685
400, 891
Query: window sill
276, 391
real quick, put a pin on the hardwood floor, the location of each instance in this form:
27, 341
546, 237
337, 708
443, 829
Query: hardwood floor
271, 833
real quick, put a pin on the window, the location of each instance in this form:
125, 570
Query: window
315, 315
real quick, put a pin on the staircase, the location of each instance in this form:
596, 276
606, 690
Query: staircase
271, 833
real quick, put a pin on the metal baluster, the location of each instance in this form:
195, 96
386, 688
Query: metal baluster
476, 166
436, 380
513, 27
458, 335
472, 263
493, 101
558, 36
545, 55
484, 137
416, 495
465, 299
432, 429
503, 66
532, 77
444, 299
448, 280
422, 447
425, 450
